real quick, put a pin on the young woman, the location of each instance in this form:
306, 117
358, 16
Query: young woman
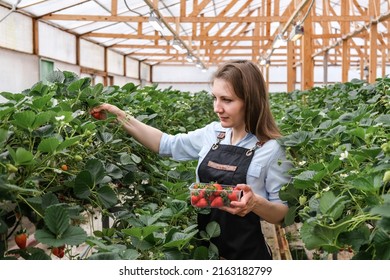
240, 150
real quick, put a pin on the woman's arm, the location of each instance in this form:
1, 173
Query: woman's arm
146, 135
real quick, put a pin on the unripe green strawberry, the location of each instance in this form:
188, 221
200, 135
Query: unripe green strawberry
386, 147
386, 177
302, 199
11, 168
78, 158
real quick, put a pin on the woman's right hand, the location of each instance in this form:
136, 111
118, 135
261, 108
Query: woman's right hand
100, 111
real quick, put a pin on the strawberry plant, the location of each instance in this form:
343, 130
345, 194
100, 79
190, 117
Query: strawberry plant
337, 138
58, 163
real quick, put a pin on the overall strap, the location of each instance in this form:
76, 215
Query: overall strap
220, 137
259, 144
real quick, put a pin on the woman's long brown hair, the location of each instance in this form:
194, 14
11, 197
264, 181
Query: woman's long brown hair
248, 84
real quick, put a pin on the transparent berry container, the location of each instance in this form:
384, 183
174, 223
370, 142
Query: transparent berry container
213, 195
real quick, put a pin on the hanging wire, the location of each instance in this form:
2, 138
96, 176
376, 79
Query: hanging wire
127, 6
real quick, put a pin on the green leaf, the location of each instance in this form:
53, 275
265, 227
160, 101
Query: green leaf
3, 226
125, 159
17, 189
383, 119
55, 77
331, 205
96, 169
135, 158
23, 157
79, 85
106, 137
5, 112
382, 210
114, 171
68, 142
179, 239
39, 255
201, 253
140, 232
130, 254
315, 237
72, 236
306, 175
12, 96
105, 256
213, 229
56, 219
42, 118
49, 145
367, 184
178, 206
358, 132
107, 196
296, 139
355, 238
40, 102
24, 119
49, 199
141, 244
289, 219
83, 184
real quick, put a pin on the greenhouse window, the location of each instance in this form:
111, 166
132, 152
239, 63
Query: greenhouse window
45, 67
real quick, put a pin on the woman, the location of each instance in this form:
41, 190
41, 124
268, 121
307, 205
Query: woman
244, 140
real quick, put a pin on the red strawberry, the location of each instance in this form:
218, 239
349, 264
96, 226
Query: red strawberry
59, 251
194, 199
232, 196
99, 115
202, 203
21, 238
218, 189
217, 202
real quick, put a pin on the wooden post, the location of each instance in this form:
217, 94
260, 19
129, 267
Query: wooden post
326, 55
307, 70
345, 43
291, 70
373, 10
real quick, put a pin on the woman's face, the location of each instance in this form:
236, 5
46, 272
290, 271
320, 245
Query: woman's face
229, 108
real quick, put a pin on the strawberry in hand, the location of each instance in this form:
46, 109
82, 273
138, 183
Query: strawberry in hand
217, 202
99, 115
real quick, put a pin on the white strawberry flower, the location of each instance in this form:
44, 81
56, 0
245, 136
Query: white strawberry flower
343, 155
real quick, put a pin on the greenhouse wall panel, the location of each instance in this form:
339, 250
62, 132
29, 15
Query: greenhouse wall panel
193, 88
16, 31
62, 66
115, 63
18, 71
91, 55
52, 39
163, 74
121, 81
132, 68
145, 72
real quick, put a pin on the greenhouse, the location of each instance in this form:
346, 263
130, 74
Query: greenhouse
194, 130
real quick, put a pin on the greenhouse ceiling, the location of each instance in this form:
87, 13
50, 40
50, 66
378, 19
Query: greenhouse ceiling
212, 31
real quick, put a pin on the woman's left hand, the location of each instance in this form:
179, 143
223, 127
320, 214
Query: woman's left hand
246, 203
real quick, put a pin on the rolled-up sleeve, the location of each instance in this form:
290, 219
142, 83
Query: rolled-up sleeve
186, 146
277, 175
